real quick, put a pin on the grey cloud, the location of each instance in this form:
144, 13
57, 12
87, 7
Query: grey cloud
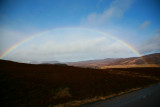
151, 45
145, 24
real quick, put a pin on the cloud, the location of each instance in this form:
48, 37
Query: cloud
116, 10
158, 30
8, 38
151, 45
53, 49
69, 45
145, 24
84, 49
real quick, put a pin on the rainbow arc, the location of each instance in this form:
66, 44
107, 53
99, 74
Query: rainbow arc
13, 47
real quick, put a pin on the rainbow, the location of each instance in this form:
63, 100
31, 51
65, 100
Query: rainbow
12, 48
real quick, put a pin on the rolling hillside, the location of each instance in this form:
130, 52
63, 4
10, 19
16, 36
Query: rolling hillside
47, 85
150, 60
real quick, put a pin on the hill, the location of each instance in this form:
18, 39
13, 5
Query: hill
45, 85
145, 61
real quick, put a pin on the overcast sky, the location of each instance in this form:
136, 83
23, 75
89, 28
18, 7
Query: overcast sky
77, 30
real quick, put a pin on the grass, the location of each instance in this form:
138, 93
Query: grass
97, 98
50, 85
131, 66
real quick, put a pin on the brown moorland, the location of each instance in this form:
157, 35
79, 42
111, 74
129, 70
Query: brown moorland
150, 60
28, 85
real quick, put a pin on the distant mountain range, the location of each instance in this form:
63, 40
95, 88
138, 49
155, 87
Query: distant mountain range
43, 62
147, 60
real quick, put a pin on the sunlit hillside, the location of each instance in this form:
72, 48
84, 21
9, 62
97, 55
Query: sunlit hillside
151, 60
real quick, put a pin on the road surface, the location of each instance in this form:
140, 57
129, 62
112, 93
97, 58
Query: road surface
148, 97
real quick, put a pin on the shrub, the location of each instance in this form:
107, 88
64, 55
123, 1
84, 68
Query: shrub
62, 93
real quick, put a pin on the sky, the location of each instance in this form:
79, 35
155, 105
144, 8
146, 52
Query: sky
76, 30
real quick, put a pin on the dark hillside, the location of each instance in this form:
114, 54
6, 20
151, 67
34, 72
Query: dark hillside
43, 85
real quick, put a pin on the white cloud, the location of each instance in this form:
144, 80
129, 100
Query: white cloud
145, 24
8, 38
69, 45
96, 48
116, 10
52, 49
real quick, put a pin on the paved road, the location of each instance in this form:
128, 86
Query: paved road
148, 97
